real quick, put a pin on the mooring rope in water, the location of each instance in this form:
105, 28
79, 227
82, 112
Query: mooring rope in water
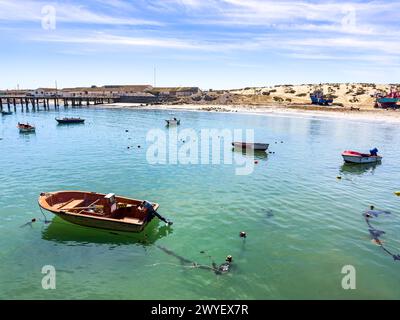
189, 263
45, 218
194, 266
218, 269
375, 233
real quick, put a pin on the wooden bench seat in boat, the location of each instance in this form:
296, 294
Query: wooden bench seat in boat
71, 204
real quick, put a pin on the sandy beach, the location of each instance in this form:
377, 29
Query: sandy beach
353, 101
376, 115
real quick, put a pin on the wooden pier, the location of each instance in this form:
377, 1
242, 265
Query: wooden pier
36, 103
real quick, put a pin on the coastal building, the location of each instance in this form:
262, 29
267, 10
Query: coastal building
108, 90
127, 89
43, 92
13, 92
136, 92
139, 97
175, 91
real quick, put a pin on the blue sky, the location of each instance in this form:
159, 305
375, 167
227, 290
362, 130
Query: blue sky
206, 43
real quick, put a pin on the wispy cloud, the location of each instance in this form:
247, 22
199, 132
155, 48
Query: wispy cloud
27, 11
246, 33
115, 40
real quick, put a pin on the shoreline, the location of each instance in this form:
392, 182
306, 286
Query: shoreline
377, 115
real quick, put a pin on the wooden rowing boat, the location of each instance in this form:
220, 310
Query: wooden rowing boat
25, 128
99, 210
358, 157
70, 120
251, 146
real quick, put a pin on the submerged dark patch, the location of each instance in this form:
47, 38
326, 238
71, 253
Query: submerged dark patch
218, 269
268, 213
376, 213
375, 233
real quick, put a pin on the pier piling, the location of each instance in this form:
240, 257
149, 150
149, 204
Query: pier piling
46, 101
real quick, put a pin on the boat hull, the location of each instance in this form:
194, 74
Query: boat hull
388, 102
21, 130
99, 224
75, 121
321, 101
173, 122
251, 146
361, 159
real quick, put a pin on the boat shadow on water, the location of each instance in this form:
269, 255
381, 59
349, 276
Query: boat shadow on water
359, 169
258, 155
60, 125
60, 231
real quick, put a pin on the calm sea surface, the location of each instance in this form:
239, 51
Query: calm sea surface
303, 223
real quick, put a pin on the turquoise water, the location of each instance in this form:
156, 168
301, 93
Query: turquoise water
303, 224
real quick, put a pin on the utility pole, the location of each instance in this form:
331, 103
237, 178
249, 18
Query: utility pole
155, 76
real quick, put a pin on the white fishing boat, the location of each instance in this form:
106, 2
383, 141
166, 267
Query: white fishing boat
173, 122
251, 146
358, 157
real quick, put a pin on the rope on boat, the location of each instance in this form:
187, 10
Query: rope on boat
375, 233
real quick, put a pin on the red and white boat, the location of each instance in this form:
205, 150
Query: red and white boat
25, 128
358, 157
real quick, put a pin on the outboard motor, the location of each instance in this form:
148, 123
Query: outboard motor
374, 152
151, 213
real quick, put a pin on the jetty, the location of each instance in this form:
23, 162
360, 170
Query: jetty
37, 103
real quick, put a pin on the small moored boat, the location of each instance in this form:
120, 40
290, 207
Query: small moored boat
6, 113
70, 120
358, 157
173, 122
253, 146
101, 211
25, 128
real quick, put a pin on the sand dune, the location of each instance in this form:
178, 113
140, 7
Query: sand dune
345, 95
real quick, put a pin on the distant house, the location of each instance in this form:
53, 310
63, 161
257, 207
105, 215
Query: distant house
187, 92
13, 92
176, 91
83, 92
44, 92
109, 90
127, 89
